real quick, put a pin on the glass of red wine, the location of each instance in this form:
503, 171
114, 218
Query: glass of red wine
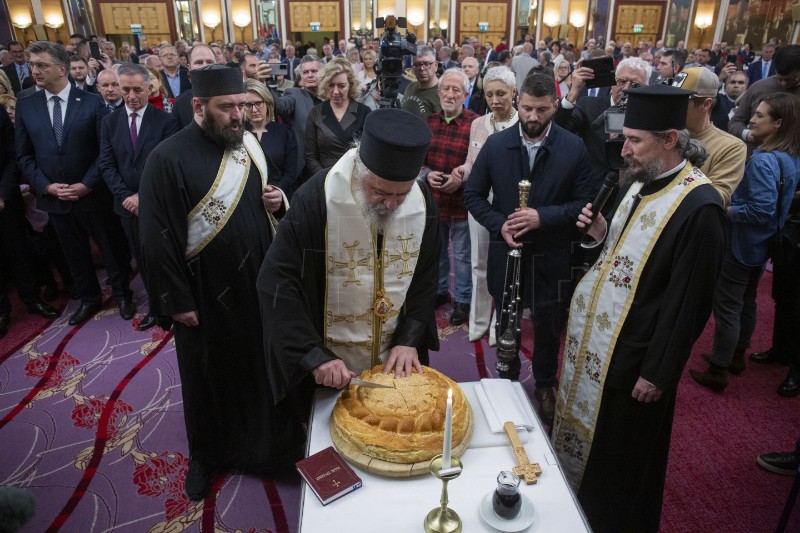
507, 501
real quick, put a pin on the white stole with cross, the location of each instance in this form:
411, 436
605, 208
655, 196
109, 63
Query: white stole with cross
211, 214
354, 328
598, 311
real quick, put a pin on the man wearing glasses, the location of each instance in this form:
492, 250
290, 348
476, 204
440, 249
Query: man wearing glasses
421, 96
584, 116
175, 77
18, 69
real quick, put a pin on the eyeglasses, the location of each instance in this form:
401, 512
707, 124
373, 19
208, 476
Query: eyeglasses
41, 66
423, 64
623, 81
257, 105
169, 55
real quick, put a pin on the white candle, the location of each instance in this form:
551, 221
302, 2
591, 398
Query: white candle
448, 431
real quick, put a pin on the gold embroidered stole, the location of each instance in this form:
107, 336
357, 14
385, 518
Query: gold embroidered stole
209, 216
366, 288
598, 311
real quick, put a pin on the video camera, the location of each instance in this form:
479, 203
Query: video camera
614, 118
390, 63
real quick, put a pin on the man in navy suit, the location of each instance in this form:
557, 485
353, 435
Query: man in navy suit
18, 69
291, 61
764, 67
79, 71
126, 139
57, 150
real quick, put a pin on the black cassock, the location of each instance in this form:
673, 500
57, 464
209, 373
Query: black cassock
623, 484
231, 419
292, 286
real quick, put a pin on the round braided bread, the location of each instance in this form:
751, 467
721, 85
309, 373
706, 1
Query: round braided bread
402, 425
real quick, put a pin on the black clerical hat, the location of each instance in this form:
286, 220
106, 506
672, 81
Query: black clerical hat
216, 80
394, 144
657, 108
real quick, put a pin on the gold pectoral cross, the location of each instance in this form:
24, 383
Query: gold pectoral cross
405, 256
351, 264
524, 469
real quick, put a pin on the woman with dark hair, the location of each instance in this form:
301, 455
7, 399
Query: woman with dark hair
277, 141
758, 210
555, 50
338, 120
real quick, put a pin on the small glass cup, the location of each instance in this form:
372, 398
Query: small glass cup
507, 500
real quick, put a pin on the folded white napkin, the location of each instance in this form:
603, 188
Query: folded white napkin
500, 404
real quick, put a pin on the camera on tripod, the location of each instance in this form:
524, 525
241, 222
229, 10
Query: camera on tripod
390, 63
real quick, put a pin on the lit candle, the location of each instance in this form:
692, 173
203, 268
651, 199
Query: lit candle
448, 431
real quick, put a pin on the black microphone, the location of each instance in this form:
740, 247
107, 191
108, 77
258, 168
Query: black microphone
609, 182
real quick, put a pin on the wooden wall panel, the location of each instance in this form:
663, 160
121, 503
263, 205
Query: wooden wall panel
155, 17
303, 13
649, 14
495, 13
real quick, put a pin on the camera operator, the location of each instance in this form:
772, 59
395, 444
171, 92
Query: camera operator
584, 116
421, 96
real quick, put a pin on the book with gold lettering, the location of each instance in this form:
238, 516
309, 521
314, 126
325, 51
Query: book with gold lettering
328, 475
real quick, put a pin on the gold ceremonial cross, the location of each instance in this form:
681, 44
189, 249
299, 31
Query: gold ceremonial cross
524, 469
337, 483
350, 264
405, 256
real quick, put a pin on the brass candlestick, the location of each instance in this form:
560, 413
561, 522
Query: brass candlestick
524, 191
443, 519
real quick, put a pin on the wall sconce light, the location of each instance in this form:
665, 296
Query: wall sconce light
416, 18
703, 22
54, 21
551, 20
577, 20
22, 22
212, 20
242, 19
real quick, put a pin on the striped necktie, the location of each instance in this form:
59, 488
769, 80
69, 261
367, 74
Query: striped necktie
58, 124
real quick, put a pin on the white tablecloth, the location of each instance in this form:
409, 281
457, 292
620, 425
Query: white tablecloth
400, 504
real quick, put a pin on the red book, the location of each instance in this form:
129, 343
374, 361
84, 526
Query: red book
328, 475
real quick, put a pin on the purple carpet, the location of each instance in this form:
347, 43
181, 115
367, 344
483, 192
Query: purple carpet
91, 423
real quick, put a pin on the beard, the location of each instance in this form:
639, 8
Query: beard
533, 128
646, 174
378, 217
223, 135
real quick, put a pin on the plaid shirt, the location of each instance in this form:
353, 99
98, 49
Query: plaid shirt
448, 149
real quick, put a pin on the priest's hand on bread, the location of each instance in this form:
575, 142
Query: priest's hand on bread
333, 374
402, 359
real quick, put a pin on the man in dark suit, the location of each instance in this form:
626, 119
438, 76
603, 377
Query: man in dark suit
126, 139
79, 72
764, 67
15, 256
57, 150
18, 69
108, 88
174, 77
291, 61
557, 165
199, 56
585, 116
296, 103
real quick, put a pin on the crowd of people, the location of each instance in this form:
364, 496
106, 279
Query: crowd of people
297, 226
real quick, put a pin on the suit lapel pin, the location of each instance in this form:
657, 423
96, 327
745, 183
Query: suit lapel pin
77, 99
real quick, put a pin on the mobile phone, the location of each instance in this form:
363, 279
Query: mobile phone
279, 69
732, 58
94, 47
603, 68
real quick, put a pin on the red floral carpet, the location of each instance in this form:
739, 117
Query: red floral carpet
91, 424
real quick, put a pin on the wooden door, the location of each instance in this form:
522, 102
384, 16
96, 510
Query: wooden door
471, 13
629, 14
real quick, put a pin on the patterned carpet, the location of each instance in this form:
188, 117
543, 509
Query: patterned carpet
91, 423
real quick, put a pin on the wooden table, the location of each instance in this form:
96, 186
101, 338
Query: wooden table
400, 504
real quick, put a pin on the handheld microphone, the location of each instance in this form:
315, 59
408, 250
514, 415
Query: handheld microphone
609, 182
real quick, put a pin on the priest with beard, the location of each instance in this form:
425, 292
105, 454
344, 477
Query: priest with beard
350, 281
635, 316
206, 222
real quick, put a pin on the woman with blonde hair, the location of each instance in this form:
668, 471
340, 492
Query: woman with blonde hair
499, 90
277, 141
5, 84
368, 79
338, 120
158, 94
563, 74
9, 101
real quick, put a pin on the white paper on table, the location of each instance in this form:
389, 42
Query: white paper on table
500, 404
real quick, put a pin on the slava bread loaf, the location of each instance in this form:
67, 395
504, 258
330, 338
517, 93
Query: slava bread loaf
402, 425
